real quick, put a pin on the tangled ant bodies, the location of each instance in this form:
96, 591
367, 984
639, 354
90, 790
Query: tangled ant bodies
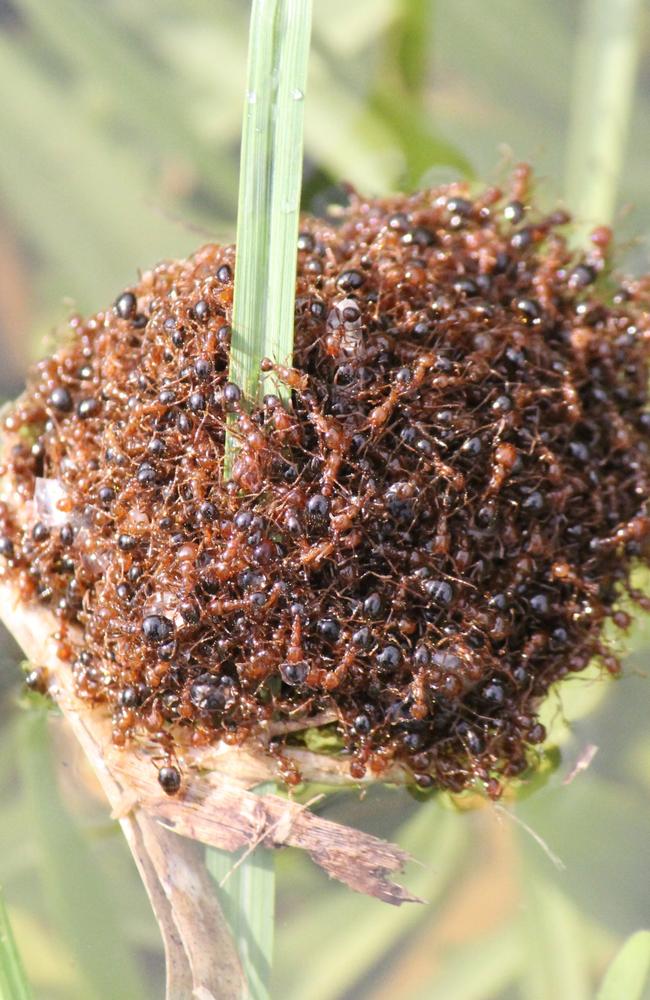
420, 544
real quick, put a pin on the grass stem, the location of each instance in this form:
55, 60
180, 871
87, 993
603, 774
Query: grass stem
269, 194
247, 895
263, 326
286, 183
13, 981
603, 93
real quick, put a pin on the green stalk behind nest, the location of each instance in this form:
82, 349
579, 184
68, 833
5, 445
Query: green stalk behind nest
606, 63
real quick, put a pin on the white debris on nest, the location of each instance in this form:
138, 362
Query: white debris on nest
46, 505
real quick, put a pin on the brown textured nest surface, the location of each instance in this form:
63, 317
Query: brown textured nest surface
429, 535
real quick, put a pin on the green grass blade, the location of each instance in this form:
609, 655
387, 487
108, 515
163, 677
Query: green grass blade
254, 209
13, 981
603, 92
629, 974
269, 192
287, 180
248, 901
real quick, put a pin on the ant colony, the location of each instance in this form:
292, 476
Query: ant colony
437, 505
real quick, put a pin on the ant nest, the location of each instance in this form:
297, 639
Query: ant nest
430, 534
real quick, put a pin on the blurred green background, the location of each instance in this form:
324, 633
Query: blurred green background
119, 132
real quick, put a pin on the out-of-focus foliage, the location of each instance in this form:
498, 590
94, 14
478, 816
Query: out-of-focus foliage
120, 143
629, 973
119, 134
123, 134
13, 980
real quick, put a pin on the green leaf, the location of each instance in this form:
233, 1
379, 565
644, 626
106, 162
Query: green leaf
628, 976
540, 773
572, 699
322, 739
13, 981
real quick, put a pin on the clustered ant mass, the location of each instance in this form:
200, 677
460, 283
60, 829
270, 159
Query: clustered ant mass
427, 538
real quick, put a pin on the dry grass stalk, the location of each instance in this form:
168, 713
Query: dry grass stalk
215, 807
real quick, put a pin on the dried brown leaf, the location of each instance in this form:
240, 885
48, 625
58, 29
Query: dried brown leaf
215, 805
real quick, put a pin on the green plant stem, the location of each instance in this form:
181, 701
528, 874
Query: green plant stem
247, 895
13, 981
254, 208
269, 195
263, 326
286, 182
603, 93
